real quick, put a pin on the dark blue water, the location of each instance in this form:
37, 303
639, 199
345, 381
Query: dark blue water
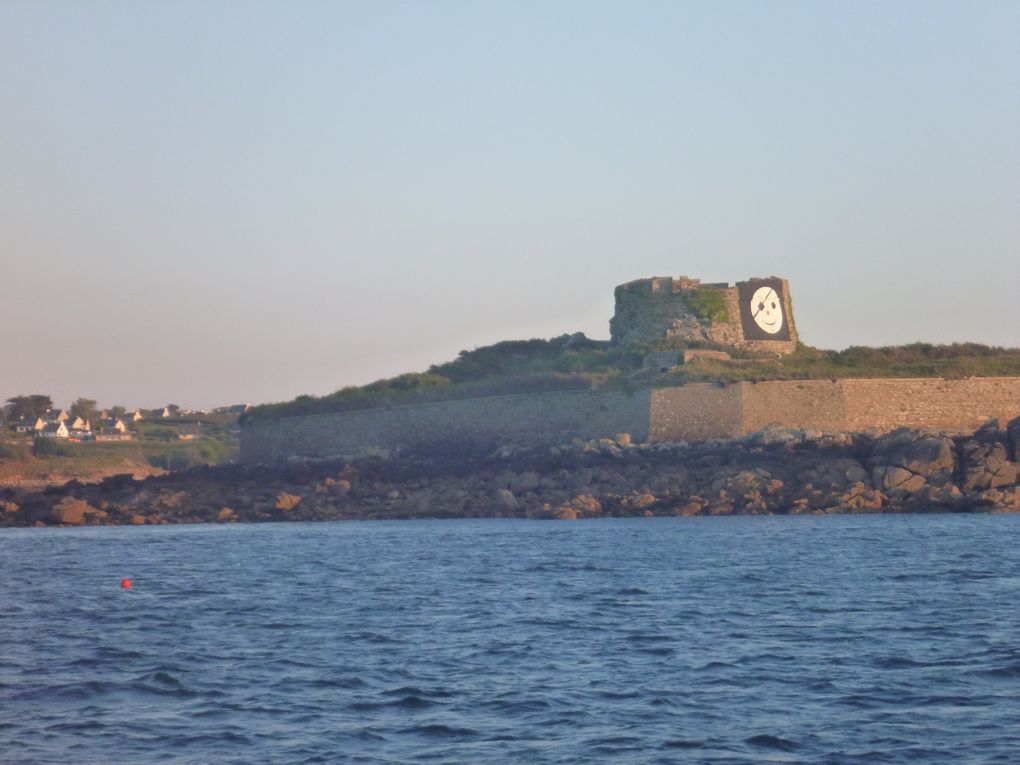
874, 639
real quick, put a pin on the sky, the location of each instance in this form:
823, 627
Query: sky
213, 202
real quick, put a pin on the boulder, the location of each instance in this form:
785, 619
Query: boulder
506, 501
986, 465
287, 502
227, 515
71, 511
641, 500
906, 461
894, 479
522, 482
922, 454
689, 508
855, 472
1013, 438
586, 505
860, 497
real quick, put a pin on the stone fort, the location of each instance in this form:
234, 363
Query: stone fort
755, 315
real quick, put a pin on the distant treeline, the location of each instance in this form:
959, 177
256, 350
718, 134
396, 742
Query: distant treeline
573, 362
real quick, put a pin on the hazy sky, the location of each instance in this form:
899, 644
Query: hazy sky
205, 202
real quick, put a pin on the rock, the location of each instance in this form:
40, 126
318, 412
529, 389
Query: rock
586, 505
1007, 501
773, 435
8, 508
922, 454
286, 502
1013, 438
855, 473
689, 508
565, 513
986, 466
641, 500
948, 494
227, 515
522, 482
897, 479
137, 519
860, 498
507, 501
623, 439
71, 511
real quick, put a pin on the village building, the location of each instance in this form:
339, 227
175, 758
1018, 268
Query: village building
54, 430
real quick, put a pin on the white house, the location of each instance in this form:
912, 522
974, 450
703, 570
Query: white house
54, 430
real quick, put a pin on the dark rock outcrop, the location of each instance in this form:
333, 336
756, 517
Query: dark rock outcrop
775, 472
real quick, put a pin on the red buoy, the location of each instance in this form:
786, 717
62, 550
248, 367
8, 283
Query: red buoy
125, 584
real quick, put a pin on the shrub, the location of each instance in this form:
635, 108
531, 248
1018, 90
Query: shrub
707, 304
52, 447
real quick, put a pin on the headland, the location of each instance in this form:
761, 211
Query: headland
703, 402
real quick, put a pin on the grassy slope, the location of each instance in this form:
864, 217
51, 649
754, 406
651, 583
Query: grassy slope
59, 461
523, 366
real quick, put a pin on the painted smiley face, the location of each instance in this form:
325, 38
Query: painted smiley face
767, 310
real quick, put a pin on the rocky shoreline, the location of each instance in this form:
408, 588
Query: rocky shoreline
772, 472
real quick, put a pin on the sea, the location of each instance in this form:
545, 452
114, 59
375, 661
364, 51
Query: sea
805, 639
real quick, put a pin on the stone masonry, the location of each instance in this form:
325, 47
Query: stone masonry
754, 315
683, 413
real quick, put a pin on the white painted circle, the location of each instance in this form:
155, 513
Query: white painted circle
767, 310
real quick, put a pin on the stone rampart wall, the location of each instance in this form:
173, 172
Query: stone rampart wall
687, 413
930, 403
818, 404
451, 426
695, 412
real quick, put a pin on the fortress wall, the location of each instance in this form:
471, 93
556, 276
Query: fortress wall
695, 412
686, 413
819, 404
930, 403
466, 425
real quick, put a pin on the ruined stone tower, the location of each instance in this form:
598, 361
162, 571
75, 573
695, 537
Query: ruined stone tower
754, 315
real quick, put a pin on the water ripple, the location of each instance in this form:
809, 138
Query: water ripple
841, 640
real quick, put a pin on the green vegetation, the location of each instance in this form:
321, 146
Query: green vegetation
175, 455
513, 366
12, 452
52, 447
914, 360
84, 408
707, 304
576, 363
27, 407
